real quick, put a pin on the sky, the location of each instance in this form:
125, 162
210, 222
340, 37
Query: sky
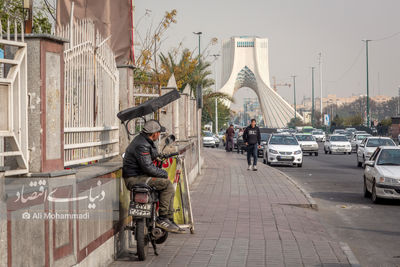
298, 30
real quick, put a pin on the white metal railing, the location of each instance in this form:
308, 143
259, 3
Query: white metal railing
91, 85
14, 103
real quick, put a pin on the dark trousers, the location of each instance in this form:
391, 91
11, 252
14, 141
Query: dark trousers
229, 144
252, 150
165, 188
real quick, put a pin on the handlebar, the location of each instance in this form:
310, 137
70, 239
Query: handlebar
166, 156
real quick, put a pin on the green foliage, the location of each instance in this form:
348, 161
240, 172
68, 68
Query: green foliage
209, 114
386, 122
337, 121
295, 122
12, 10
355, 120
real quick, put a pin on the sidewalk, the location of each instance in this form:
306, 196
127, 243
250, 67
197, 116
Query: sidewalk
247, 218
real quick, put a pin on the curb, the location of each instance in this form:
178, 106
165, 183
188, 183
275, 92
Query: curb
349, 254
312, 204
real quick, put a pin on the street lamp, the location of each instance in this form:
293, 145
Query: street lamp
366, 53
199, 112
294, 97
312, 109
216, 101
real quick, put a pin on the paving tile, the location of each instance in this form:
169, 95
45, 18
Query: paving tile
246, 218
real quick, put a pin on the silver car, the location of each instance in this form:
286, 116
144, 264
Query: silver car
382, 174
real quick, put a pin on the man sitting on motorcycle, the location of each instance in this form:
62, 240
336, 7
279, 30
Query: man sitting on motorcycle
138, 168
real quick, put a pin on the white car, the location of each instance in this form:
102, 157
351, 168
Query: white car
283, 149
319, 135
337, 143
308, 144
368, 146
217, 140
357, 139
208, 139
382, 174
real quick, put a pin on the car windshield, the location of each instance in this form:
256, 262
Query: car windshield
221, 133
305, 137
307, 130
375, 142
362, 137
338, 138
318, 132
264, 136
208, 134
389, 157
283, 140
339, 131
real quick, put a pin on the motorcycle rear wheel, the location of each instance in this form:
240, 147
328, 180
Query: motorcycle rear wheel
142, 240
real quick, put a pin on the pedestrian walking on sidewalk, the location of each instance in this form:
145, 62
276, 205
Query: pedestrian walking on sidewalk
230, 133
252, 139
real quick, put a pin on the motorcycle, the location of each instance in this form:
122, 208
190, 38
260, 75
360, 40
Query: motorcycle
144, 203
143, 209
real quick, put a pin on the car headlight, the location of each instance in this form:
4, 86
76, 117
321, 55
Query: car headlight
297, 152
387, 180
272, 151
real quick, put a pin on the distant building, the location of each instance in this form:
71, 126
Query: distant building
339, 101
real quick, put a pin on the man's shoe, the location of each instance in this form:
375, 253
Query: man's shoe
254, 168
167, 225
249, 168
180, 229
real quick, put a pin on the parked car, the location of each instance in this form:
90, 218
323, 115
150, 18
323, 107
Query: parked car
217, 140
382, 174
283, 149
357, 139
221, 136
208, 139
264, 141
368, 147
319, 135
337, 143
308, 144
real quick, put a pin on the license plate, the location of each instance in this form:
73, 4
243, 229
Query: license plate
140, 210
286, 157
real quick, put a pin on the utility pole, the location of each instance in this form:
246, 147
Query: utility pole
199, 111
294, 97
320, 81
312, 87
398, 103
216, 101
366, 53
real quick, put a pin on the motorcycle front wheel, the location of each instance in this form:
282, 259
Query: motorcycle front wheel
142, 240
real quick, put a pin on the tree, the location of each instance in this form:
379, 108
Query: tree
149, 43
337, 121
355, 120
386, 122
12, 10
209, 107
295, 122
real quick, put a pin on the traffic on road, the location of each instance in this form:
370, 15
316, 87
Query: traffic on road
356, 183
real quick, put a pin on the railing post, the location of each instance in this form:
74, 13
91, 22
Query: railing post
3, 221
46, 105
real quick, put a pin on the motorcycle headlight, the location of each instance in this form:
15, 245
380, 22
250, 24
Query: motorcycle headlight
263, 143
297, 152
272, 151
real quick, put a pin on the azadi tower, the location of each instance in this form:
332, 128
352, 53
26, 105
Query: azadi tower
245, 64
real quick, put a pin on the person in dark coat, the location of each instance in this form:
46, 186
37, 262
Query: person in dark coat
230, 133
252, 139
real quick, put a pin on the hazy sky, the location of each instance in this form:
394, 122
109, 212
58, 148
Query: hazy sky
297, 31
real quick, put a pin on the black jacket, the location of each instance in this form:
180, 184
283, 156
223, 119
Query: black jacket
252, 136
139, 158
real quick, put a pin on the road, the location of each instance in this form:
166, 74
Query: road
372, 231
